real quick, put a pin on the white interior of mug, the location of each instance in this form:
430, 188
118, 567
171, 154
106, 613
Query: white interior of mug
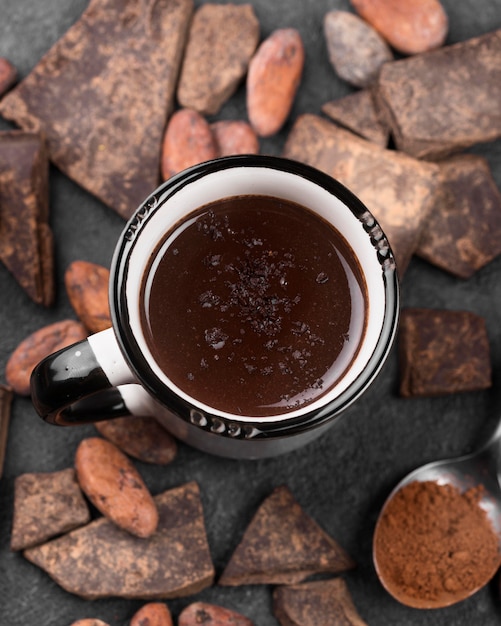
260, 181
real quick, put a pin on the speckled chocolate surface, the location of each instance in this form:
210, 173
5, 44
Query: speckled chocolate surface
396, 188
26, 245
445, 100
342, 479
358, 113
102, 94
101, 560
46, 504
442, 352
463, 231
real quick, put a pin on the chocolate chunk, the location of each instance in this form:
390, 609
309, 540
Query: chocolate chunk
396, 188
221, 41
6, 395
442, 352
358, 113
416, 93
26, 246
8, 75
283, 545
314, 603
463, 231
100, 560
102, 94
356, 51
141, 437
46, 505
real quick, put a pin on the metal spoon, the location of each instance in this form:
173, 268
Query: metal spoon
481, 467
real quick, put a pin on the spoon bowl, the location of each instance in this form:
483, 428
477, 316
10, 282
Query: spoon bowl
482, 467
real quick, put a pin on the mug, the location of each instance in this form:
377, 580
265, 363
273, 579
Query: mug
114, 373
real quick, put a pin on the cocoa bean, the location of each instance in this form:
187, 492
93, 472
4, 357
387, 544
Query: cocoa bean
8, 75
87, 288
212, 615
356, 51
115, 487
152, 614
235, 137
37, 346
272, 81
411, 27
188, 140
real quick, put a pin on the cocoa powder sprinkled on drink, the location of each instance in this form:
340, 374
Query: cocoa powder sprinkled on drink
433, 541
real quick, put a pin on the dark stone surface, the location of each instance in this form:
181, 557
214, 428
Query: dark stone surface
340, 480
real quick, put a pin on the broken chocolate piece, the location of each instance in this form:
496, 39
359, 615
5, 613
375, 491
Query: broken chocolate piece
442, 352
221, 42
415, 95
463, 230
283, 545
26, 246
46, 505
141, 437
314, 603
6, 395
397, 189
102, 94
358, 113
101, 560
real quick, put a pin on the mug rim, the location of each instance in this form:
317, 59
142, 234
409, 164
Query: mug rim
235, 425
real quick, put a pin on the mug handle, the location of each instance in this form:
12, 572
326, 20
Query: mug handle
82, 382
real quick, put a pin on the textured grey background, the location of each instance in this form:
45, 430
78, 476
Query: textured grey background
341, 480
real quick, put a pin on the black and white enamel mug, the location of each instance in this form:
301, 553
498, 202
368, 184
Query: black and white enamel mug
115, 373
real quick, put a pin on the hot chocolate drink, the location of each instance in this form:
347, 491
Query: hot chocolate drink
254, 306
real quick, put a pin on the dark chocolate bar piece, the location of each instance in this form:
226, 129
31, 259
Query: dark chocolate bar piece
221, 42
442, 352
358, 113
463, 231
26, 242
314, 603
397, 189
46, 505
283, 545
101, 560
445, 100
102, 95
